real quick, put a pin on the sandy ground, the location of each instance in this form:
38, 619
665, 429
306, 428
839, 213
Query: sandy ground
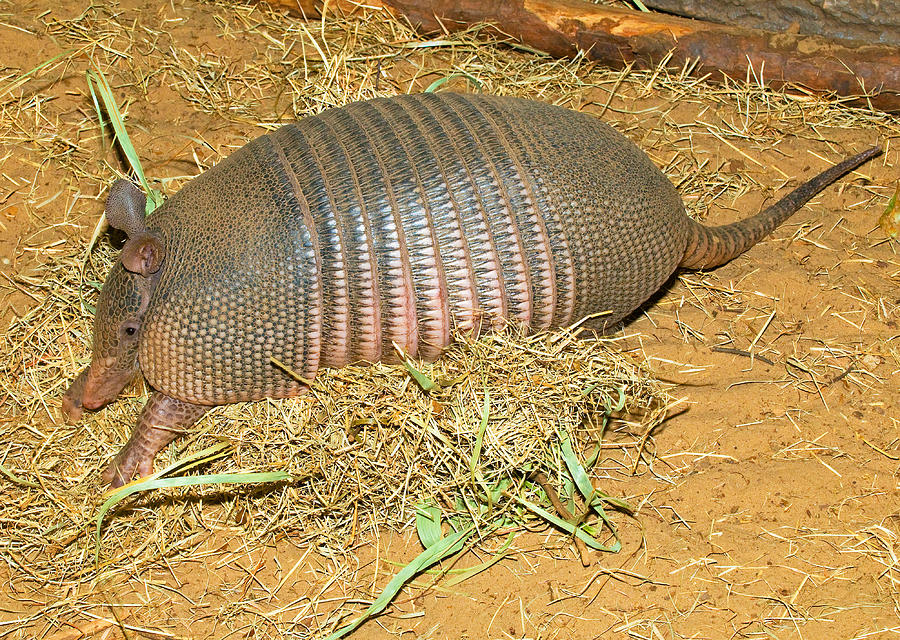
770, 507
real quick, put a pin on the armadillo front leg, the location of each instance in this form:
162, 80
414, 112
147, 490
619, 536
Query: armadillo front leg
163, 419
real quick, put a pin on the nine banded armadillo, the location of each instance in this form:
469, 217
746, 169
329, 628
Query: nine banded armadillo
388, 222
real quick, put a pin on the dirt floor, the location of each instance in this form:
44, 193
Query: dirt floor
767, 509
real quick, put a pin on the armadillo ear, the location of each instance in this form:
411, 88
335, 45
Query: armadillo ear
143, 253
125, 207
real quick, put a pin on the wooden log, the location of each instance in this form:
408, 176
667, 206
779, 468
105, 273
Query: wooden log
617, 37
875, 22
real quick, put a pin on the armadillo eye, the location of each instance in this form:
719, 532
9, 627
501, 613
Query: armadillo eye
130, 331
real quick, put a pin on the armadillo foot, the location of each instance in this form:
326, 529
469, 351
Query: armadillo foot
163, 419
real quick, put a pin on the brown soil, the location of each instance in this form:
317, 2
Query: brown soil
770, 507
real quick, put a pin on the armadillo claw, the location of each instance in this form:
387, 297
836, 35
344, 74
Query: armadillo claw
72, 409
129, 462
71, 401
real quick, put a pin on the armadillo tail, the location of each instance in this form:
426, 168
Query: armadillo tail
711, 246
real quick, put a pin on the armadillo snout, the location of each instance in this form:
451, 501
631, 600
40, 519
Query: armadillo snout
95, 387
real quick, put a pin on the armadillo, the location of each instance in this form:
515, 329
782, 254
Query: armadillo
384, 227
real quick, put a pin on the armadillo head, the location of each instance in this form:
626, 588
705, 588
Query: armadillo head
122, 305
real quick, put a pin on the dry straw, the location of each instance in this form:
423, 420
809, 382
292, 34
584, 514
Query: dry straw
365, 447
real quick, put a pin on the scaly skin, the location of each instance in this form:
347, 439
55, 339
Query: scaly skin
162, 420
388, 222
710, 247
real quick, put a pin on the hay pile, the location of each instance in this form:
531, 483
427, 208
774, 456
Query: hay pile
366, 446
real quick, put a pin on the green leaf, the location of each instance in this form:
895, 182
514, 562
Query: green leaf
428, 524
421, 379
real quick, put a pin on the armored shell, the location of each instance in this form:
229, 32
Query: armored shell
399, 221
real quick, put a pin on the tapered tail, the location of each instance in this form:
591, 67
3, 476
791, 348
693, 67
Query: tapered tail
711, 246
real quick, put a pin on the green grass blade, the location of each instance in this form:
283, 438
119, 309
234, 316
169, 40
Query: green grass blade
98, 228
214, 452
434, 86
187, 481
421, 379
621, 403
567, 526
478, 568
593, 496
96, 79
14, 478
890, 219
482, 427
444, 548
477, 478
89, 78
22, 79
